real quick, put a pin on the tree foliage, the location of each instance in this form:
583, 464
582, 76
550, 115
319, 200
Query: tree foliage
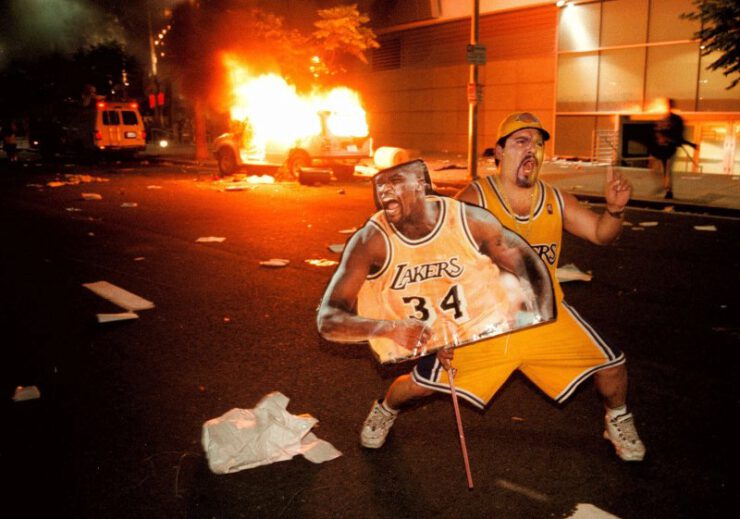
720, 32
341, 31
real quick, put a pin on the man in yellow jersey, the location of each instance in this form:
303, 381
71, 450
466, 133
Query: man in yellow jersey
556, 356
418, 265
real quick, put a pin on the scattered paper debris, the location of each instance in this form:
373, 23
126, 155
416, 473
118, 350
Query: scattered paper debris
322, 262
589, 511
275, 262
260, 179
210, 239
710, 228
518, 419
154, 187
638, 228
336, 247
348, 231
26, 393
668, 209
626, 224
521, 489
119, 296
129, 204
139, 258
35, 185
122, 316
648, 224
239, 187
55, 183
73, 209
570, 272
91, 196
91, 233
245, 438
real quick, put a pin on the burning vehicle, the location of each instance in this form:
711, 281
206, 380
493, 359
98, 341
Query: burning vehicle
273, 127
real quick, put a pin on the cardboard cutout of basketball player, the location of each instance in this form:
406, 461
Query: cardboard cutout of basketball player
427, 272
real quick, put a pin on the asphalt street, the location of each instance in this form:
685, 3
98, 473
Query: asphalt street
117, 429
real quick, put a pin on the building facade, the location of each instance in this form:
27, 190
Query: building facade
596, 72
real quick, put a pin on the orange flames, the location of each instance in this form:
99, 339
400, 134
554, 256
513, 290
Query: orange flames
277, 116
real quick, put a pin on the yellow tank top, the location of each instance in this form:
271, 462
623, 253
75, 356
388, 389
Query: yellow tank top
543, 231
441, 279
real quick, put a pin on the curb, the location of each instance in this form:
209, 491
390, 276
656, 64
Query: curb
660, 205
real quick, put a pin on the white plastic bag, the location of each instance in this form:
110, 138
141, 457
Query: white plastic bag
246, 438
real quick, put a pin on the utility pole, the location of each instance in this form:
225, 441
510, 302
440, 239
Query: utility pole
476, 55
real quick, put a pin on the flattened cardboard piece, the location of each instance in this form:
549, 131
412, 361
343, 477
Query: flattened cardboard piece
119, 296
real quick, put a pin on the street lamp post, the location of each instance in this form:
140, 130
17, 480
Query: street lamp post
475, 56
153, 64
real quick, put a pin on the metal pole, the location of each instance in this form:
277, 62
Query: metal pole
460, 432
472, 99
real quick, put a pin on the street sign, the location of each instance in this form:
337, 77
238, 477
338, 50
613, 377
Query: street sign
476, 54
475, 93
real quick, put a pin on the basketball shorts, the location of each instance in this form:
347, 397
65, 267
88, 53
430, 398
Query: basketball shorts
557, 357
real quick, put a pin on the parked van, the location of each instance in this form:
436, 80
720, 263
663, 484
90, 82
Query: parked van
119, 127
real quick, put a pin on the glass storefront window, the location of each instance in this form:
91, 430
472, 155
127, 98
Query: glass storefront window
624, 22
665, 21
621, 79
578, 27
672, 72
713, 93
577, 75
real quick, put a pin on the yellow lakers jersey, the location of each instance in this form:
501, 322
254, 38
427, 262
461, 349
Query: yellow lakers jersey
543, 229
441, 279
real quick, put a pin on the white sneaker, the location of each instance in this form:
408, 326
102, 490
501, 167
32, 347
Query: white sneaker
621, 431
376, 427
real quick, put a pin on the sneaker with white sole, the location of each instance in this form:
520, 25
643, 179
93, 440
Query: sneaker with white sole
376, 427
620, 430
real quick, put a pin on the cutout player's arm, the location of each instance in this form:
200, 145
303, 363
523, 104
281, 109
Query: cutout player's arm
337, 318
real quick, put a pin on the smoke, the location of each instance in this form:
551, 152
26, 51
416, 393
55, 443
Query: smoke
39, 27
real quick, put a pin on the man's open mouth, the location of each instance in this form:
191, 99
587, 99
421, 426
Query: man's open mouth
391, 206
529, 165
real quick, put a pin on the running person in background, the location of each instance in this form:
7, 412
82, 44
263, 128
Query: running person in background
668, 138
556, 356
417, 268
